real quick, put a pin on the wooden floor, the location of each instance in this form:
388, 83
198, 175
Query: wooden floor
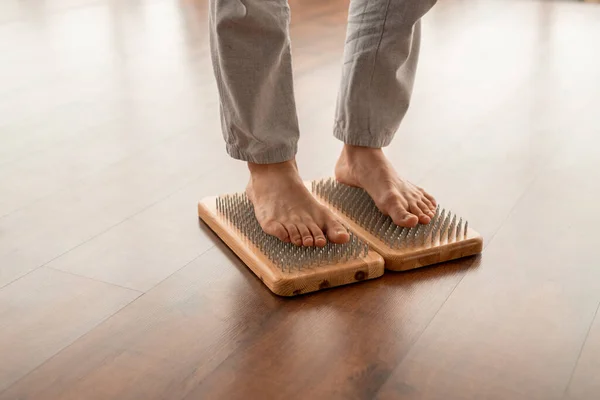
110, 288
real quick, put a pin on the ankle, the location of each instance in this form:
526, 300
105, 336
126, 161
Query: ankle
358, 158
355, 152
263, 168
284, 168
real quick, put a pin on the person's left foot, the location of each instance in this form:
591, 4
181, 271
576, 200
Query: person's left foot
368, 168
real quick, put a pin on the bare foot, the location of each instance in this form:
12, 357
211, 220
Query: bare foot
369, 169
285, 208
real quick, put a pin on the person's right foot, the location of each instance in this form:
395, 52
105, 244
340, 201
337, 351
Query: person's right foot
285, 208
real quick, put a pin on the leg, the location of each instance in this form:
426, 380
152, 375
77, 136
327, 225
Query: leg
250, 48
380, 62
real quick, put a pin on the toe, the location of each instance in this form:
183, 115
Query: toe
402, 217
277, 230
294, 234
336, 232
430, 198
307, 237
429, 205
317, 233
429, 211
416, 210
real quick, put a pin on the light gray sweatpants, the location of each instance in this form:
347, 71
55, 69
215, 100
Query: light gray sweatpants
251, 54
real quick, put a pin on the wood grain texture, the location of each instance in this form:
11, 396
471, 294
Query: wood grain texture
288, 283
148, 247
109, 135
522, 338
212, 330
45, 312
165, 343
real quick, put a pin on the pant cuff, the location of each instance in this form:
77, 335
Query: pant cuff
270, 156
363, 138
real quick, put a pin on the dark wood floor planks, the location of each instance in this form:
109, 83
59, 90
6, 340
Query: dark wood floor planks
163, 345
109, 135
45, 312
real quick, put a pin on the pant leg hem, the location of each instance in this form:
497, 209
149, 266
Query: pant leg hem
362, 139
271, 156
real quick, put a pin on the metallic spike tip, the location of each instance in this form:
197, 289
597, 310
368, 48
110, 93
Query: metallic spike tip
238, 211
356, 204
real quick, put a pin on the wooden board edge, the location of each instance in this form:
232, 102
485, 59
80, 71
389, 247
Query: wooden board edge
206, 214
397, 260
369, 267
465, 248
